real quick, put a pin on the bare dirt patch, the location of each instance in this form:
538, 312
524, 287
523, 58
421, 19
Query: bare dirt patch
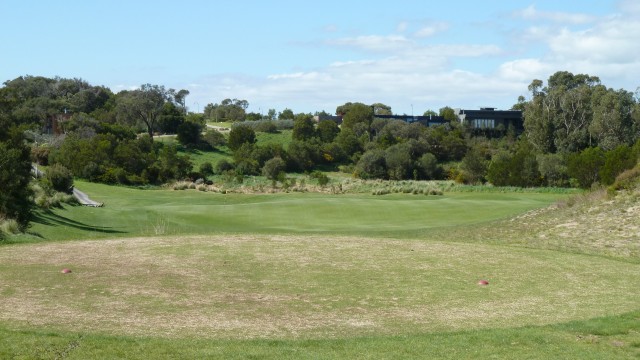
294, 286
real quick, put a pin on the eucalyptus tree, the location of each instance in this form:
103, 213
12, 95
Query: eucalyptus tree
143, 105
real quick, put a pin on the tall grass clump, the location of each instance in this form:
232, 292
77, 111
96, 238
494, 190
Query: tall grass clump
46, 198
8, 227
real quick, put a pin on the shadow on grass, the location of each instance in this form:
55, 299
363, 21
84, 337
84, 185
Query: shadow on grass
48, 217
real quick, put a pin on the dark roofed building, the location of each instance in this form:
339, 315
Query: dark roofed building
491, 119
424, 120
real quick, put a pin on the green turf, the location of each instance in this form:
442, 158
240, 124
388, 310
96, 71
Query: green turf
418, 290
574, 340
132, 212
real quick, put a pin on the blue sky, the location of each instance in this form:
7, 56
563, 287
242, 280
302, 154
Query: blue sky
312, 56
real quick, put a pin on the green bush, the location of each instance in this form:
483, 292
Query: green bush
189, 133
273, 168
372, 165
585, 166
206, 168
240, 135
214, 138
223, 166
59, 178
322, 178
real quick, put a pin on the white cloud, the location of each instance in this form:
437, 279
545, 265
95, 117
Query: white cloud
402, 27
431, 30
532, 14
375, 43
400, 70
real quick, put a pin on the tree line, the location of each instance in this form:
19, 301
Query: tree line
577, 132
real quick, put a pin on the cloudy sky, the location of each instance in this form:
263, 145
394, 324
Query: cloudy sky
413, 55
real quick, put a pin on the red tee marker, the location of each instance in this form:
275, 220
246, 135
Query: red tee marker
66, 271
483, 282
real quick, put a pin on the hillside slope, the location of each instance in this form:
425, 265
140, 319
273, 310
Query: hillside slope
602, 222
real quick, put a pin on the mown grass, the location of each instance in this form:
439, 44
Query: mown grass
573, 340
306, 275
317, 296
132, 212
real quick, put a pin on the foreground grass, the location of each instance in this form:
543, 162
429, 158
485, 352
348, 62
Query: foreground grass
308, 276
614, 337
279, 296
247, 286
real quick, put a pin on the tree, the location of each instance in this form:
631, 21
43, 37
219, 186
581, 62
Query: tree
448, 114
170, 118
180, 98
585, 166
372, 165
227, 110
616, 161
59, 178
381, 109
303, 127
240, 135
474, 166
558, 117
398, 161
348, 142
429, 166
612, 124
286, 114
553, 169
144, 105
357, 113
214, 138
327, 130
273, 168
189, 133
15, 174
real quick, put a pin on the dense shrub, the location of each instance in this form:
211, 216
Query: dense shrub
206, 168
372, 165
59, 178
189, 133
428, 165
327, 131
553, 169
214, 138
40, 155
240, 135
585, 166
616, 161
222, 166
273, 167
398, 162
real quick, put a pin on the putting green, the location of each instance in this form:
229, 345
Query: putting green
132, 212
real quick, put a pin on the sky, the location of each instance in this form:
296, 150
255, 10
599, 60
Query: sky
413, 55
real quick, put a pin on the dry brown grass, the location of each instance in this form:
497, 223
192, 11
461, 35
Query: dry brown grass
287, 286
595, 223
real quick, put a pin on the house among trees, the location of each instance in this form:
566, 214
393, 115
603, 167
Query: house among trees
431, 120
335, 118
490, 119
